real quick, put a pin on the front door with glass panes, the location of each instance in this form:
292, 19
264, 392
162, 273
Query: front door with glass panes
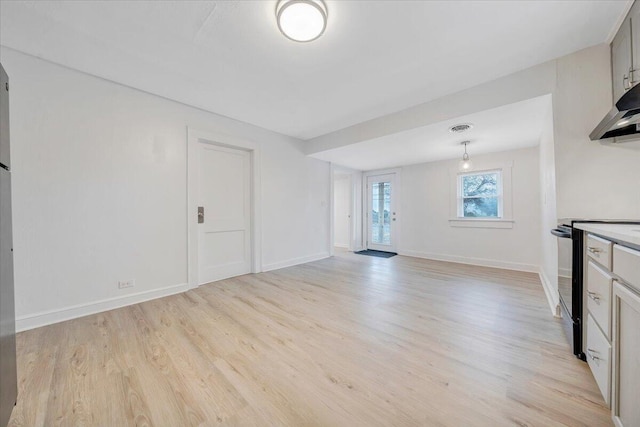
381, 213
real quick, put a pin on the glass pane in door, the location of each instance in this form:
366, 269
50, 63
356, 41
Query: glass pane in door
381, 213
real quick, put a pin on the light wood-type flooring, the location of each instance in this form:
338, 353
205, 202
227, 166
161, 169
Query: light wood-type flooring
346, 341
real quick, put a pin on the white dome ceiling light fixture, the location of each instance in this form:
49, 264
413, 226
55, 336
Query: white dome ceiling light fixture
301, 20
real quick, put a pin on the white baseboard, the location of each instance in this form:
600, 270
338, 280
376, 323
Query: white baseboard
295, 261
564, 272
549, 292
341, 245
44, 318
482, 262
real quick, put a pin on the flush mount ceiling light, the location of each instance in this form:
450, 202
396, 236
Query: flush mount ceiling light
465, 164
301, 20
460, 128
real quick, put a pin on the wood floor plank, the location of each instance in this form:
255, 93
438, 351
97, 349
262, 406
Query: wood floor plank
346, 341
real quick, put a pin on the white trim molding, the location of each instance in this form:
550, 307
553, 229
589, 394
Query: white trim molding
44, 318
481, 223
554, 304
221, 139
482, 262
332, 208
336, 172
295, 261
355, 231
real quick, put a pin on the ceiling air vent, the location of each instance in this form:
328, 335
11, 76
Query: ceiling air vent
460, 128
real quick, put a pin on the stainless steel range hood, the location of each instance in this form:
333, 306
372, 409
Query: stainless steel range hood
623, 121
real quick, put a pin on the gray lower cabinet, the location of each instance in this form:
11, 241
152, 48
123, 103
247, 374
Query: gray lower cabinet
612, 293
8, 379
626, 337
598, 312
599, 357
626, 354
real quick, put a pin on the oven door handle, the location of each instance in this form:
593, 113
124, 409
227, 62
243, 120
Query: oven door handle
561, 233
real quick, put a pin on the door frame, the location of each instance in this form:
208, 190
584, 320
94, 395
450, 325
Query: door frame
195, 137
334, 172
356, 240
397, 172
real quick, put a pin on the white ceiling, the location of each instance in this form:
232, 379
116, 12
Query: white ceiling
376, 57
504, 128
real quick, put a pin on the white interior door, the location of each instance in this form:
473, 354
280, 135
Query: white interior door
381, 213
224, 212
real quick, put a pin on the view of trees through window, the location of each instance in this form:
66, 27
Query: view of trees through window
480, 195
380, 213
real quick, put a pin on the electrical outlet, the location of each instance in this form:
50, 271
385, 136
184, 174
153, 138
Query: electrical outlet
126, 284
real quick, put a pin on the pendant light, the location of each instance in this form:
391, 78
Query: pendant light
301, 20
465, 164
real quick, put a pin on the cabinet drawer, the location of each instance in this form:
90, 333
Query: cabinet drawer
626, 264
599, 284
599, 357
599, 250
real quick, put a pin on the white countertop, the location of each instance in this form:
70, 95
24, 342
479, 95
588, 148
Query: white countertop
625, 232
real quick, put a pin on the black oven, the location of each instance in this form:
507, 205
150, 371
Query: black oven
570, 283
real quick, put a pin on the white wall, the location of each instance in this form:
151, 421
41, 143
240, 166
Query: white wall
548, 215
342, 201
99, 192
594, 180
296, 196
425, 208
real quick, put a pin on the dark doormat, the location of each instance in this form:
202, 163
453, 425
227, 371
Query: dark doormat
379, 254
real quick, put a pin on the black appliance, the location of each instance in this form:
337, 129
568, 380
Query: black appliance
570, 283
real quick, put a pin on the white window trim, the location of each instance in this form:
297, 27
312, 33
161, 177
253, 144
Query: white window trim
460, 198
506, 215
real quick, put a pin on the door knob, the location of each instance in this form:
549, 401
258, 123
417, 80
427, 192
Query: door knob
200, 214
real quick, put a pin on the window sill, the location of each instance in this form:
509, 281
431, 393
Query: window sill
481, 223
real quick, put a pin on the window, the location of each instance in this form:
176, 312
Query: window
480, 195
482, 198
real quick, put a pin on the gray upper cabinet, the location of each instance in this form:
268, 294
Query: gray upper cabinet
621, 60
625, 54
634, 17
